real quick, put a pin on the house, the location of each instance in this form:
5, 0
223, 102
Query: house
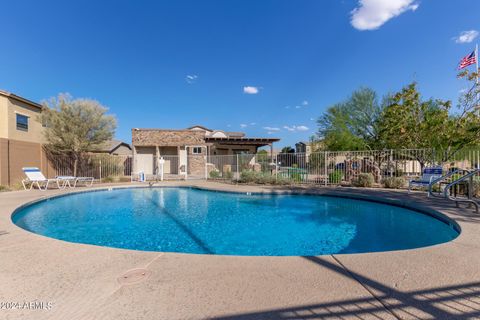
304, 147
304, 150
115, 147
21, 137
190, 151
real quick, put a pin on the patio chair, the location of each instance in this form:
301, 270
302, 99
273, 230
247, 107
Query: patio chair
36, 177
428, 175
71, 181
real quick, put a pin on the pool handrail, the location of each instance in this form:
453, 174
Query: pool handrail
446, 176
469, 199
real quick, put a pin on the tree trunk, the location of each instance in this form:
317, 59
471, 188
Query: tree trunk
75, 164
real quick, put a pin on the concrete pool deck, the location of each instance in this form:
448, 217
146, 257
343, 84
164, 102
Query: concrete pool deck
91, 282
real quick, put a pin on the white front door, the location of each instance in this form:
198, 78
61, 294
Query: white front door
145, 163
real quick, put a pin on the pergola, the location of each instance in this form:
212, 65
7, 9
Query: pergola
258, 142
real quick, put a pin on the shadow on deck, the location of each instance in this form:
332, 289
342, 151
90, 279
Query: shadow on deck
460, 301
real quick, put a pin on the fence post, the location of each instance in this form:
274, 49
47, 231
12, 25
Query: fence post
276, 167
100, 170
206, 167
390, 164
326, 169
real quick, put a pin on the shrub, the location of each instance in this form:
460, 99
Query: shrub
109, 179
16, 186
4, 188
296, 176
280, 180
124, 179
249, 176
335, 176
267, 178
228, 175
364, 180
214, 174
394, 182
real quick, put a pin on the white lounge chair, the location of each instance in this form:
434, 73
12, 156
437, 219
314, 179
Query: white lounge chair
428, 175
36, 177
72, 181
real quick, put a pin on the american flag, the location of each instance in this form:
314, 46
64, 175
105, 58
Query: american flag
468, 60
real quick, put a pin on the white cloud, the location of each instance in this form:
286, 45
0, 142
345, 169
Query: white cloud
296, 128
251, 90
253, 123
271, 128
302, 128
304, 104
466, 36
372, 14
312, 119
243, 125
191, 78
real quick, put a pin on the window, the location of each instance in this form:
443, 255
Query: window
241, 151
22, 122
197, 150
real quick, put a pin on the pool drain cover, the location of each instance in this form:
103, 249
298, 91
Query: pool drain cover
134, 276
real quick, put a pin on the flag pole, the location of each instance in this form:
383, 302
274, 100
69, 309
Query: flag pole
476, 82
476, 60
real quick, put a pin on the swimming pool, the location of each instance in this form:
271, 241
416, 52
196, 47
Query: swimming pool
191, 220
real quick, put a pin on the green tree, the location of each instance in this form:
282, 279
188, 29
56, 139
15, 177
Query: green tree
408, 122
262, 152
470, 98
287, 149
262, 156
352, 124
74, 126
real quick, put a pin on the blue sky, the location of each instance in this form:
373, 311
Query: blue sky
266, 67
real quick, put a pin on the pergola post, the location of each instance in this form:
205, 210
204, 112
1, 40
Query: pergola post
157, 159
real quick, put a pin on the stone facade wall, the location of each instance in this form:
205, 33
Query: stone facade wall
196, 163
167, 138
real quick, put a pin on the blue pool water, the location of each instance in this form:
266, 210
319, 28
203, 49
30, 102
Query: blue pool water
198, 221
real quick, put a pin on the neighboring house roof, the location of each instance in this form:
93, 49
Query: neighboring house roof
218, 133
236, 134
110, 146
18, 98
199, 127
233, 140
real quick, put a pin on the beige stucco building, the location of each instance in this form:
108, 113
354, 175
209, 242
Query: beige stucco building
21, 137
115, 148
187, 152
